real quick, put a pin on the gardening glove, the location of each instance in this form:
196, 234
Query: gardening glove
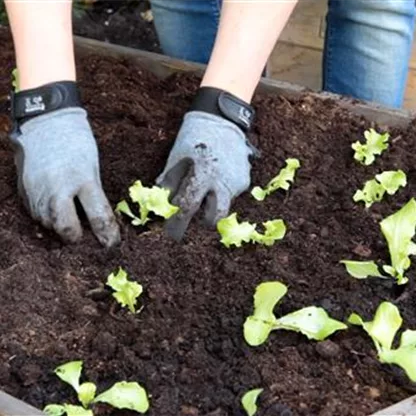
57, 160
209, 163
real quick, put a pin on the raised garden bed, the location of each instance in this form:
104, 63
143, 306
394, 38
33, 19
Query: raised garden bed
186, 346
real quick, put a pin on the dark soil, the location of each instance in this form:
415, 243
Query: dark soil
186, 346
119, 22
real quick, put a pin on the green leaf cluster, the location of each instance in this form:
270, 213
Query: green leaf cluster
311, 321
126, 291
398, 230
374, 189
383, 329
375, 144
249, 401
154, 199
122, 395
235, 233
281, 181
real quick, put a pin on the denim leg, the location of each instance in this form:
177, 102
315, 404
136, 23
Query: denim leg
367, 49
187, 28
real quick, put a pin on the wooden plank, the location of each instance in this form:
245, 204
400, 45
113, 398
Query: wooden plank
404, 408
163, 66
9, 406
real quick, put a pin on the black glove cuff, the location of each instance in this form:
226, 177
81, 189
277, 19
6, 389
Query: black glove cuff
42, 100
221, 103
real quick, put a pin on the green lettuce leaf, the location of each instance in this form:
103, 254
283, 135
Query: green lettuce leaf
405, 355
66, 409
15, 81
362, 269
374, 189
399, 229
274, 230
258, 326
383, 328
392, 180
126, 291
54, 410
249, 401
372, 192
86, 393
124, 208
281, 181
375, 144
233, 232
311, 321
125, 395
152, 199
70, 373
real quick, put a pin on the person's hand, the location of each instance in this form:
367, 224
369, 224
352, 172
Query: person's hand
57, 161
209, 163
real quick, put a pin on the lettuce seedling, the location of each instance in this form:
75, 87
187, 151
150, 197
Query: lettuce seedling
126, 292
249, 401
235, 233
152, 199
311, 321
122, 395
383, 329
281, 181
375, 144
374, 189
398, 229
15, 80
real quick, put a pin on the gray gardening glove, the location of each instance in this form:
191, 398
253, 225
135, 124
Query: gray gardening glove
57, 160
209, 163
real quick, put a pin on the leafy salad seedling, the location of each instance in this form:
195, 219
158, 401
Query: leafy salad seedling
249, 401
122, 395
375, 144
281, 181
235, 233
311, 321
154, 199
374, 189
383, 329
398, 229
15, 80
126, 291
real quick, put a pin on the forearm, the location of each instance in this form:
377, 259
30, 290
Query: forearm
42, 35
246, 37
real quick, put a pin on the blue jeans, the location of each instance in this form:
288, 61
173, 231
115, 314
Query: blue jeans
367, 44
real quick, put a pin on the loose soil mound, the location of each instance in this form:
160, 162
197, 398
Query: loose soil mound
186, 345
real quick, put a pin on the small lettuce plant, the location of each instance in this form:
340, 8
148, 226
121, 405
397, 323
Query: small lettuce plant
311, 321
234, 233
126, 291
249, 401
281, 181
382, 330
399, 230
15, 80
154, 199
374, 189
375, 144
122, 395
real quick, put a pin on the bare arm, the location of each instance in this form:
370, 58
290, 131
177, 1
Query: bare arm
247, 34
42, 34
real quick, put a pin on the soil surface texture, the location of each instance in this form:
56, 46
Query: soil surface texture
186, 346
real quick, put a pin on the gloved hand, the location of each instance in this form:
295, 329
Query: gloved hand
209, 161
57, 160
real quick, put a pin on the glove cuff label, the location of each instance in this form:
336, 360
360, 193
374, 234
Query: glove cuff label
45, 99
221, 103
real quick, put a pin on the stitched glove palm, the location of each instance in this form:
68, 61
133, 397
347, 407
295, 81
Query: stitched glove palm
209, 163
57, 160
